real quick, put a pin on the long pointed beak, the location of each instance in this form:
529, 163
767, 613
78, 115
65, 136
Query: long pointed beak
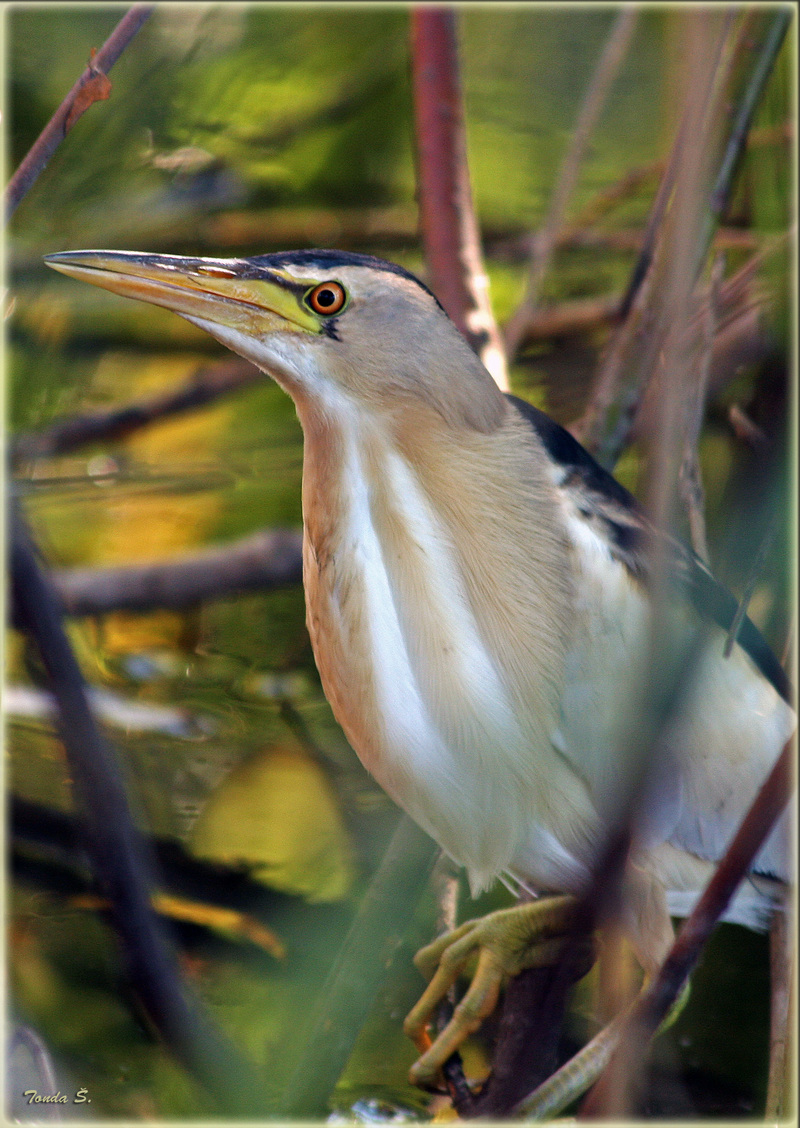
231, 292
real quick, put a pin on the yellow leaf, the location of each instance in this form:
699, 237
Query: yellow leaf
276, 813
238, 926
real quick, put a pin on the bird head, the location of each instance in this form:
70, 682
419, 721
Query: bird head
338, 331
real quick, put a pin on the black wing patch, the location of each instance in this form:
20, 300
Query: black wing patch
602, 501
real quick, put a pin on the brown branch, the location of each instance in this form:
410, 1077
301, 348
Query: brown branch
632, 309
206, 385
569, 318
530, 1024
269, 559
726, 51
630, 351
605, 72
696, 121
741, 338
447, 217
91, 86
781, 958
655, 1003
118, 854
690, 481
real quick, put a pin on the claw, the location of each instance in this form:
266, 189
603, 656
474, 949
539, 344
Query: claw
505, 942
479, 1002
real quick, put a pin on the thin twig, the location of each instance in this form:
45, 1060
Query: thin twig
607, 68
737, 141
570, 317
654, 1004
654, 221
690, 480
266, 560
588, 429
91, 86
447, 217
638, 399
633, 340
119, 857
635, 304
205, 386
781, 960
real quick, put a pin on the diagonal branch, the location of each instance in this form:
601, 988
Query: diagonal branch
653, 1006
118, 854
205, 386
737, 140
635, 336
265, 560
89, 88
690, 480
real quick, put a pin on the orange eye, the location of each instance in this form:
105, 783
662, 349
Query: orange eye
327, 298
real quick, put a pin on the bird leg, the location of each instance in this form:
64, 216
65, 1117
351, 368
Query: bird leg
505, 943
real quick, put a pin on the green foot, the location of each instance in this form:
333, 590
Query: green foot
505, 943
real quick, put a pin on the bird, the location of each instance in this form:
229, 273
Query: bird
477, 589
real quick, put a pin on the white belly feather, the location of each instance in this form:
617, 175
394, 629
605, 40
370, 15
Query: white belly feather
447, 740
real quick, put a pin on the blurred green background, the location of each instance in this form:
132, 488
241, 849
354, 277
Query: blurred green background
237, 130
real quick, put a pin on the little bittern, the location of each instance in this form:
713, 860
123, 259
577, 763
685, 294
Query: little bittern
476, 589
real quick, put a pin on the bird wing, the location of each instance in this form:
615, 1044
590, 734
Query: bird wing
615, 515
738, 712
